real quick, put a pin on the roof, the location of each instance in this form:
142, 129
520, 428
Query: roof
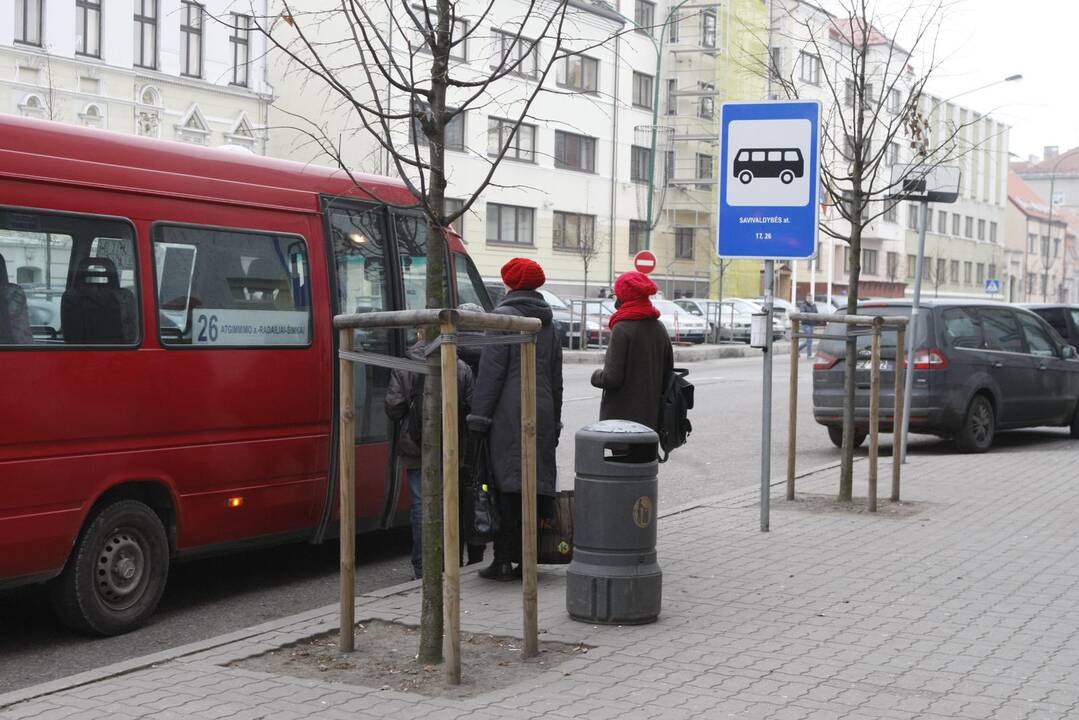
1029, 202
599, 7
1066, 162
44, 149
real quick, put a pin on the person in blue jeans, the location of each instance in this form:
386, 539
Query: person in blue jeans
404, 403
807, 306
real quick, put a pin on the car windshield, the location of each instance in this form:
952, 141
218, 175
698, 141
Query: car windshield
553, 300
667, 307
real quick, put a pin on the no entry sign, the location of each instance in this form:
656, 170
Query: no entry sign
644, 261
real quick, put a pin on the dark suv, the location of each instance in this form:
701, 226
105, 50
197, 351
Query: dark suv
1063, 318
979, 367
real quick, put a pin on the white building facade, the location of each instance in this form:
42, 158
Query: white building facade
578, 172
170, 69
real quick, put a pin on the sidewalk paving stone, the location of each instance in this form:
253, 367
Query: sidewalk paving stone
964, 609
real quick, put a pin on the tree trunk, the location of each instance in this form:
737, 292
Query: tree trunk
846, 475
437, 297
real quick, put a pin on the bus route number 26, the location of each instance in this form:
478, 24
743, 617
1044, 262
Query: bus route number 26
764, 236
208, 328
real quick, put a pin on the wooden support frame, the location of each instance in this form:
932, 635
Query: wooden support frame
876, 325
448, 322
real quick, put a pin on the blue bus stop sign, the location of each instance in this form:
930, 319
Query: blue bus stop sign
769, 183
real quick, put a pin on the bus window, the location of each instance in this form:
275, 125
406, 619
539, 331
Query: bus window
775, 156
79, 281
229, 288
792, 155
470, 287
359, 248
758, 156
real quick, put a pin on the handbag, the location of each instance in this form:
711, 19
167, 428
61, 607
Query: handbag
555, 545
479, 510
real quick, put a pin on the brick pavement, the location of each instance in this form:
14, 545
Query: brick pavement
966, 609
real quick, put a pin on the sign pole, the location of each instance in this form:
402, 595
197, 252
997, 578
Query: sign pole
900, 443
766, 405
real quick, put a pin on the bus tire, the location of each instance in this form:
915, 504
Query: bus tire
786, 177
835, 434
746, 177
116, 573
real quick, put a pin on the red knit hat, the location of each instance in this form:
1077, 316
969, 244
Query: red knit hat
523, 274
634, 285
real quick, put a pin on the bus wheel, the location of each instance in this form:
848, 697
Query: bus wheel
116, 574
746, 177
786, 177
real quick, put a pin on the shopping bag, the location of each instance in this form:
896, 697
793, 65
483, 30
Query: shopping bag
555, 544
479, 510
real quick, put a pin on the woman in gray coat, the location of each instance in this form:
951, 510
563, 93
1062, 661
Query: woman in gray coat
496, 410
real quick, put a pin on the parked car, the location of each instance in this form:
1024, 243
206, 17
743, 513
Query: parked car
681, 324
781, 309
979, 367
566, 322
731, 325
752, 307
1063, 318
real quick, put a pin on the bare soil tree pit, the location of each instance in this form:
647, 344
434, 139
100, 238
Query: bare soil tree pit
385, 658
807, 502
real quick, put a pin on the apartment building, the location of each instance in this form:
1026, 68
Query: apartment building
172, 69
579, 173
1055, 175
965, 241
1041, 247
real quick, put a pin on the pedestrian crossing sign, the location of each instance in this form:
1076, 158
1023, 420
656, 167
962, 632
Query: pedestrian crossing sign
992, 286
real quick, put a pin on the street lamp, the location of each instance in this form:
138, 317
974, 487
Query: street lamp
1052, 189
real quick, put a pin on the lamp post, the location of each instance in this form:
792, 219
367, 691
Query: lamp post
1048, 250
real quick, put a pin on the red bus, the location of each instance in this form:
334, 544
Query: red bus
167, 360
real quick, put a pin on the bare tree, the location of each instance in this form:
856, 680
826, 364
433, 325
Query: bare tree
390, 69
587, 250
874, 113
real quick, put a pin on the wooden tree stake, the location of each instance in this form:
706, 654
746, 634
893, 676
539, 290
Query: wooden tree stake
451, 550
347, 479
528, 499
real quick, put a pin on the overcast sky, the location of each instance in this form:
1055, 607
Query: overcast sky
982, 41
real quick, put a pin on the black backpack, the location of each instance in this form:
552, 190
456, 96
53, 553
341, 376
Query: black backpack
414, 419
674, 406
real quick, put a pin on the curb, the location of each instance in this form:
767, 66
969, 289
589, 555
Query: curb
696, 353
126, 667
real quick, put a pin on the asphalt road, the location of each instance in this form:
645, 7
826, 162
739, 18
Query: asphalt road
214, 596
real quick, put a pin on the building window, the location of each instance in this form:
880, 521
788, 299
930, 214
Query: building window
893, 265
644, 16
704, 169
88, 27
927, 266
992, 270
895, 101
942, 268
241, 48
191, 38
683, 243
707, 107
992, 232
912, 265
1045, 246
28, 21
928, 219
892, 157
776, 57
708, 28
846, 259
968, 227
942, 222
450, 206
968, 272
672, 96
146, 33
953, 273
869, 262
637, 230
509, 224
668, 166
638, 164
517, 52
455, 128
809, 68
1056, 247
1031, 283
572, 231
981, 229
642, 90
578, 72
912, 217
981, 273
955, 224
574, 152
458, 34
891, 213
521, 147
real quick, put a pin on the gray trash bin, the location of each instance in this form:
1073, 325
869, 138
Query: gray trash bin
614, 577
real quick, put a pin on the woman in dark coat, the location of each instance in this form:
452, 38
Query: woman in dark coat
496, 410
639, 358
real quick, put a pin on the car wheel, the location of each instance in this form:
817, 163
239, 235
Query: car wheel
746, 177
116, 573
979, 427
786, 177
835, 434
